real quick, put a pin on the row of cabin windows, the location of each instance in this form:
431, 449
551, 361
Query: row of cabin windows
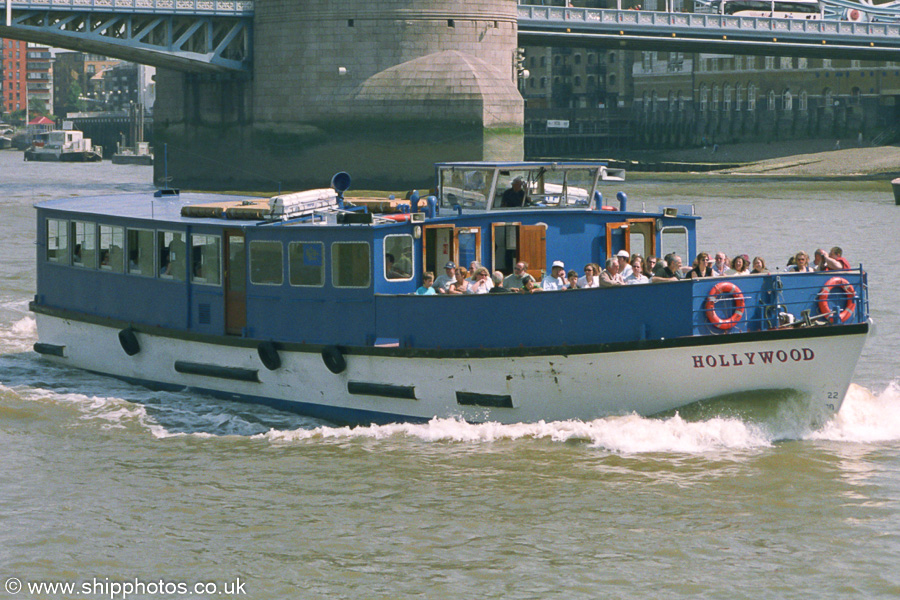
163, 254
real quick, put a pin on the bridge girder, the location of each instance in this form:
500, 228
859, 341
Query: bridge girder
192, 43
705, 33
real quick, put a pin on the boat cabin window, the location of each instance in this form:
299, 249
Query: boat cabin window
351, 264
140, 252
172, 255
398, 257
675, 239
545, 188
266, 263
112, 248
58, 241
205, 253
84, 240
469, 188
307, 263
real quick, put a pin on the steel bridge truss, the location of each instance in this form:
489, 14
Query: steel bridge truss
185, 42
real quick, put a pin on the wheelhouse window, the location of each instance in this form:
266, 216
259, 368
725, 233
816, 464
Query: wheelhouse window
205, 253
675, 239
398, 257
172, 255
140, 252
112, 248
57, 241
469, 188
84, 244
266, 263
351, 265
307, 263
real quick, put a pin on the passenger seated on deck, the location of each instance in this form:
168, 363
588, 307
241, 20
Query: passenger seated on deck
832, 261
649, 265
497, 279
759, 266
461, 285
529, 286
572, 280
442, 283
801, 263
670, 271
720, 266
610, 276
738, 266
637, 271
427, 288
481, 283
514, 281
701, 267
624, 263
591, 277
515, 195
555, 280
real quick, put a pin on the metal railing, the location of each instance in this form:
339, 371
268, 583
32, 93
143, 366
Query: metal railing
692, 22
193, 7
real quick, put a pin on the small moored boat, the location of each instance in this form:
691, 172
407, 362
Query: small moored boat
64, 145
305, 301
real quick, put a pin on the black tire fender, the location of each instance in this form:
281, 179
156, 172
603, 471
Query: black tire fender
334, 359
129, 341
268, 355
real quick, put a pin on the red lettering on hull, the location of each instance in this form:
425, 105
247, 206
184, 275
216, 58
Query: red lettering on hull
766, 357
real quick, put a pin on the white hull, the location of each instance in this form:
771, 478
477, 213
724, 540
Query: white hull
550, 388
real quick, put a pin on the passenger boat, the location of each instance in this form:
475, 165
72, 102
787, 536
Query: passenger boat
294, 302
64, 145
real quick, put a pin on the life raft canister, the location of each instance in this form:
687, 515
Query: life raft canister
724, 287
842, 283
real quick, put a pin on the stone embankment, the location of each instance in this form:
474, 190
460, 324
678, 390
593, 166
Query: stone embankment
802, 159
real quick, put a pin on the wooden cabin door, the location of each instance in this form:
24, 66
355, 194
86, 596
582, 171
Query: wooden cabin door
617, 239
235, 282
533, 249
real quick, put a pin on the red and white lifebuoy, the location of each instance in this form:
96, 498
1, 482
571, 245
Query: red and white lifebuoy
842, 283
724, 287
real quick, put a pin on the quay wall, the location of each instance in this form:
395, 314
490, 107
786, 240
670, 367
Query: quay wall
379, 89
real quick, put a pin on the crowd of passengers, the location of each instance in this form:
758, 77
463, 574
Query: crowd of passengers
622, 269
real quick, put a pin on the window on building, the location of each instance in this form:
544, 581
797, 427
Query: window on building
770, 63
787, 100
205, 259
770, 97
715, 98
84, 244
140, 252
112, 248
804, 101
307, 263
351, 265
172, 251
751, 97
266, 263
738, 97
58, 241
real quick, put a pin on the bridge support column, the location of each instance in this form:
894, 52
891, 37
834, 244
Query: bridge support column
379, 88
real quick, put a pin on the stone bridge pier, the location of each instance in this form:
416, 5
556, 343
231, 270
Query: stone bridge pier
381, 89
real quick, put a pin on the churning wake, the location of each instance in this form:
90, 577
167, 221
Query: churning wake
865, 417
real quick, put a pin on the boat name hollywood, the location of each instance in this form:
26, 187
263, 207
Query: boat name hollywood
752, 358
